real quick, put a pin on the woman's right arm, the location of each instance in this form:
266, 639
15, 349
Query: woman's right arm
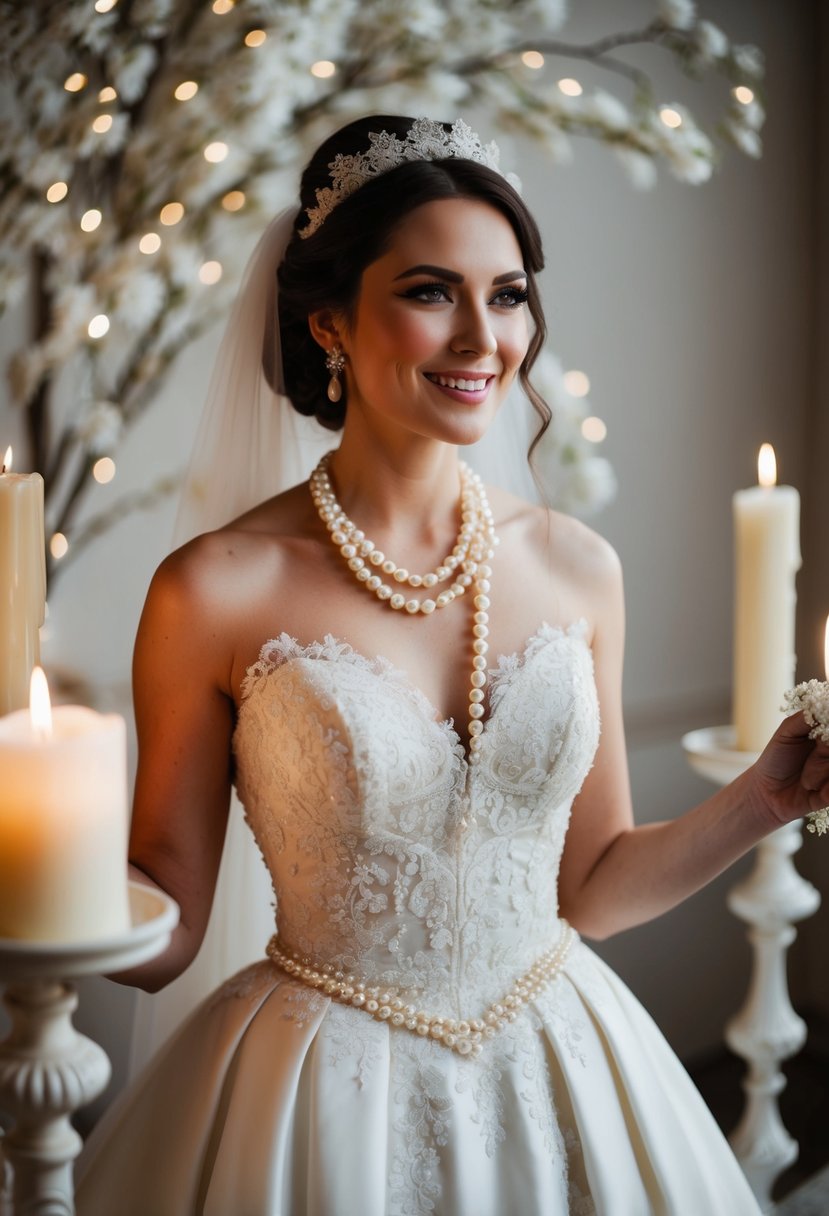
184, 717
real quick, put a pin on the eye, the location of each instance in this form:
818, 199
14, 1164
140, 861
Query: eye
511, 297
429, 293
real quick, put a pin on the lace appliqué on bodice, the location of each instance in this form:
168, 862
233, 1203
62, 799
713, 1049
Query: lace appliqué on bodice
357, 794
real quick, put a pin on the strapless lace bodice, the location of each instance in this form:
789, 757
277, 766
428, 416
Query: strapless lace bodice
391, 856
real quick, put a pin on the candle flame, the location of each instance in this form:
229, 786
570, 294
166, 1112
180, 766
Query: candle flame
40, 707
767, 466
826, 649
7, 460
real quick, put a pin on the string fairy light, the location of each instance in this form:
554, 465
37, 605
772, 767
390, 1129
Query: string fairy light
234, 200
671, 118
570, 87
255, 37
171, 213
533, 59
223, 6
593, 429
91, 219
577, 383
107, 94
185, 90
210, 273
743, 94
103, 470
58, 546
149, 243
57, 192
98, 326
75, 82
102, 124
216, 152
104, 6
323, 68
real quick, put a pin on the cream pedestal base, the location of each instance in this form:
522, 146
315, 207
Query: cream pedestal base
767, 1030
47, 1069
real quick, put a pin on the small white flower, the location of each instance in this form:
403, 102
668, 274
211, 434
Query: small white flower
74, 306
608, 110
140, 299
749, 60
174, 327
47, 166
546, 15
752, 115
424, 19
24, 371
132, 73
690, 165
151, 16
678, 14
101, 428
593, 484
184, 261
711, 41
747, 141
639, 167
812, 697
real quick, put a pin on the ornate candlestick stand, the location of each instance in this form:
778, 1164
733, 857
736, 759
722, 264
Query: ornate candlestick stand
47, 1069
766, 1030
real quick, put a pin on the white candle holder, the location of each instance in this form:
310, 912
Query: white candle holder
48, 1070
766, 1030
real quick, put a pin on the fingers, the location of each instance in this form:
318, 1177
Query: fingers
794, 728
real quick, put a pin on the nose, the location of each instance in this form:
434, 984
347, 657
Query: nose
474, 334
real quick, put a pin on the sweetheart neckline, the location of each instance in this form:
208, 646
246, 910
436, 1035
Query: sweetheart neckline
333, 648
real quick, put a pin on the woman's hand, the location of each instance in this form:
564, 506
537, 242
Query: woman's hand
791, 776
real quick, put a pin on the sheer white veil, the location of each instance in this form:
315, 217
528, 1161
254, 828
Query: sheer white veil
252, 444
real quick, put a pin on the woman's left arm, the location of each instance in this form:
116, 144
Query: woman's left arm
615, 875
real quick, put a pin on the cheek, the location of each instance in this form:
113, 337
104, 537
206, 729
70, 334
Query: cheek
408, 338
516, 343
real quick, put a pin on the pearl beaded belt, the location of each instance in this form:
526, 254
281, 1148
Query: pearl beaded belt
387, 1005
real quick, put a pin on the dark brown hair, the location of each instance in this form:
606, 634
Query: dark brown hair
325, 270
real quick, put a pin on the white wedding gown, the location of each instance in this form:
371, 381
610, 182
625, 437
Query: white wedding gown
395, 862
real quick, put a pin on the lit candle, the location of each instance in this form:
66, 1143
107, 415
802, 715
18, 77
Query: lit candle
767, 558
22, 581
63, 822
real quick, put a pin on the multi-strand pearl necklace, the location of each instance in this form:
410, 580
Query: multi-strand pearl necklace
467, 564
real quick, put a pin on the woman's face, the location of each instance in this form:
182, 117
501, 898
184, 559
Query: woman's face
441, 324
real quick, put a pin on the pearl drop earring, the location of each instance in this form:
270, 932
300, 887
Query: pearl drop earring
335, 362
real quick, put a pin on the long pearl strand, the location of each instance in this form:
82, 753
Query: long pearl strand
473, 550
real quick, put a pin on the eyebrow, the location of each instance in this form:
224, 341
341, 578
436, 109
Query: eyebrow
452, 276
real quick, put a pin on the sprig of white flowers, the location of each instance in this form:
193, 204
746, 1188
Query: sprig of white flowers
812, 697
109, 118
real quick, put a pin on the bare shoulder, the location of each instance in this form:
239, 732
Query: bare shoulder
558, 541
220, 567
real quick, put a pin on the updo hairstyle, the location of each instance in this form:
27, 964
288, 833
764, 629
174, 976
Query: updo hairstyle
325, 269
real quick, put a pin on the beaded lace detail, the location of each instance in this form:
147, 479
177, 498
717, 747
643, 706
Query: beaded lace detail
356, 792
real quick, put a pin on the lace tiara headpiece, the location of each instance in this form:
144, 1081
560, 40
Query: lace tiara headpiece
425, 140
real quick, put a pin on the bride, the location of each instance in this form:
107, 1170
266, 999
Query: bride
442, 824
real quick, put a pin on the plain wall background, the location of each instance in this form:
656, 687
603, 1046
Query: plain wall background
696, 312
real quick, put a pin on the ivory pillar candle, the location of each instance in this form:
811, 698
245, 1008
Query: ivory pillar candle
22, 582
767, 558
63, 826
